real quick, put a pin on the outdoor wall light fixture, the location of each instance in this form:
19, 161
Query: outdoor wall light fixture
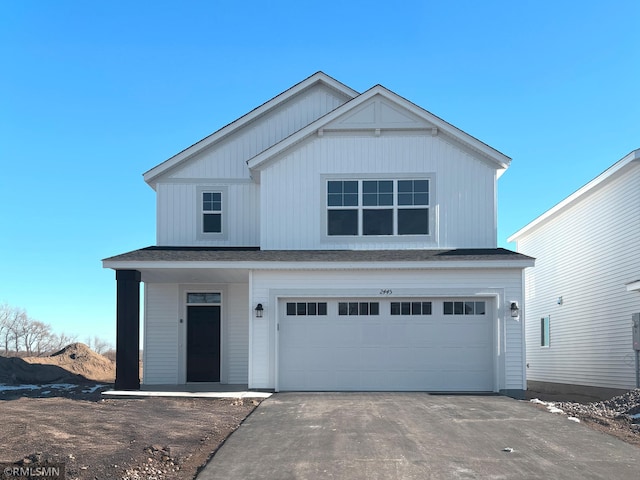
515, 310
559, 300
259, 310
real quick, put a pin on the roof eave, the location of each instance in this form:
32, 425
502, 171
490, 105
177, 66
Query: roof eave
634, 156
500, 161
317, 265
152, 175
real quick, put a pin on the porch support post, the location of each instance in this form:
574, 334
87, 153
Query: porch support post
128, 330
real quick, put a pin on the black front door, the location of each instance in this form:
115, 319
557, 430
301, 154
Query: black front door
203, 344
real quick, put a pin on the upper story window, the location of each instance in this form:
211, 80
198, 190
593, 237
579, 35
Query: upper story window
212, 212
377, 207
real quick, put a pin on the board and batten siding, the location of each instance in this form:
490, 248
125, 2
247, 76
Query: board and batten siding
161, 354
586, 254
178, 208
367, 284
462, 190
227, 158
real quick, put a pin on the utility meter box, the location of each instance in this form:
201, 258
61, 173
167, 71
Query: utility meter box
635, 320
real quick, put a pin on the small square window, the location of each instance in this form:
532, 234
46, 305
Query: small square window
343, 308
353, 308
426, 308
322, 308
374, 308
312, 308
301, 308
364, 308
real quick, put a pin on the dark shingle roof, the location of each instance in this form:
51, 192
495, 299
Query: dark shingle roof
254, 254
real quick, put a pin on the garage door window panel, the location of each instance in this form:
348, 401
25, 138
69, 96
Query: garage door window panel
358, 308
464, 308
306, 308
410, 308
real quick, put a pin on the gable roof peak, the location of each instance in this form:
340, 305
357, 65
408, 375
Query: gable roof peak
153, 174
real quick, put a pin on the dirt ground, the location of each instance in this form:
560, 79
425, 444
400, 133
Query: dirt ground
96, 438
590, 412
52, 411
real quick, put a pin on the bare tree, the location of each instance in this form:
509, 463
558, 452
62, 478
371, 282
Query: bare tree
100, 345
59, 341
5, 327
18, 324
41, 338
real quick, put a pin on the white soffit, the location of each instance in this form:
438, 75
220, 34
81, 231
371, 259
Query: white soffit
575, 196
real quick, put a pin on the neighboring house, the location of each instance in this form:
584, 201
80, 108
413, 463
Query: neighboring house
585, 287
327, 240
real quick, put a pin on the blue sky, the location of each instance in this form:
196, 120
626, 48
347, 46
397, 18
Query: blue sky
93, 94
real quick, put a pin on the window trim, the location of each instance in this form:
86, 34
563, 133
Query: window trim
430, 238
200, 212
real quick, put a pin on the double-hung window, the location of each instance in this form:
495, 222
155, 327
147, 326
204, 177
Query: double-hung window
212, 212
377, 207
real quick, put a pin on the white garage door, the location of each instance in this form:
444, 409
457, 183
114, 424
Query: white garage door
369, 344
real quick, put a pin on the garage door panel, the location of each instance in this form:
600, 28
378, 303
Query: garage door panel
432, 352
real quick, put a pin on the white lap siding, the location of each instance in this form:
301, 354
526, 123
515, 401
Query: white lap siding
236, 316
160, 364
586, 254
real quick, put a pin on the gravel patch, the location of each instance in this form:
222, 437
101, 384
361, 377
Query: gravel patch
618, 416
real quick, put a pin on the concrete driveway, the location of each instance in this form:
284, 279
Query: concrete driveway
415, 435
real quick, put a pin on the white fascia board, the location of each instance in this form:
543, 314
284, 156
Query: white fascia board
319, 77
575, 196
498, 160
501, 160
482, 264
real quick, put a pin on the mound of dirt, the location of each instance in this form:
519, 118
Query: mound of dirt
78, 360
15, 371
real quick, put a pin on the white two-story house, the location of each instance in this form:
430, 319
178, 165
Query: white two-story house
327, 240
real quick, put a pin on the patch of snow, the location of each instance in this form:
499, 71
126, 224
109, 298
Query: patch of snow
574, 419
508, 449
60, 386
550, 405
6, 388
46, 392
55, 386
554, 409
94, 388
